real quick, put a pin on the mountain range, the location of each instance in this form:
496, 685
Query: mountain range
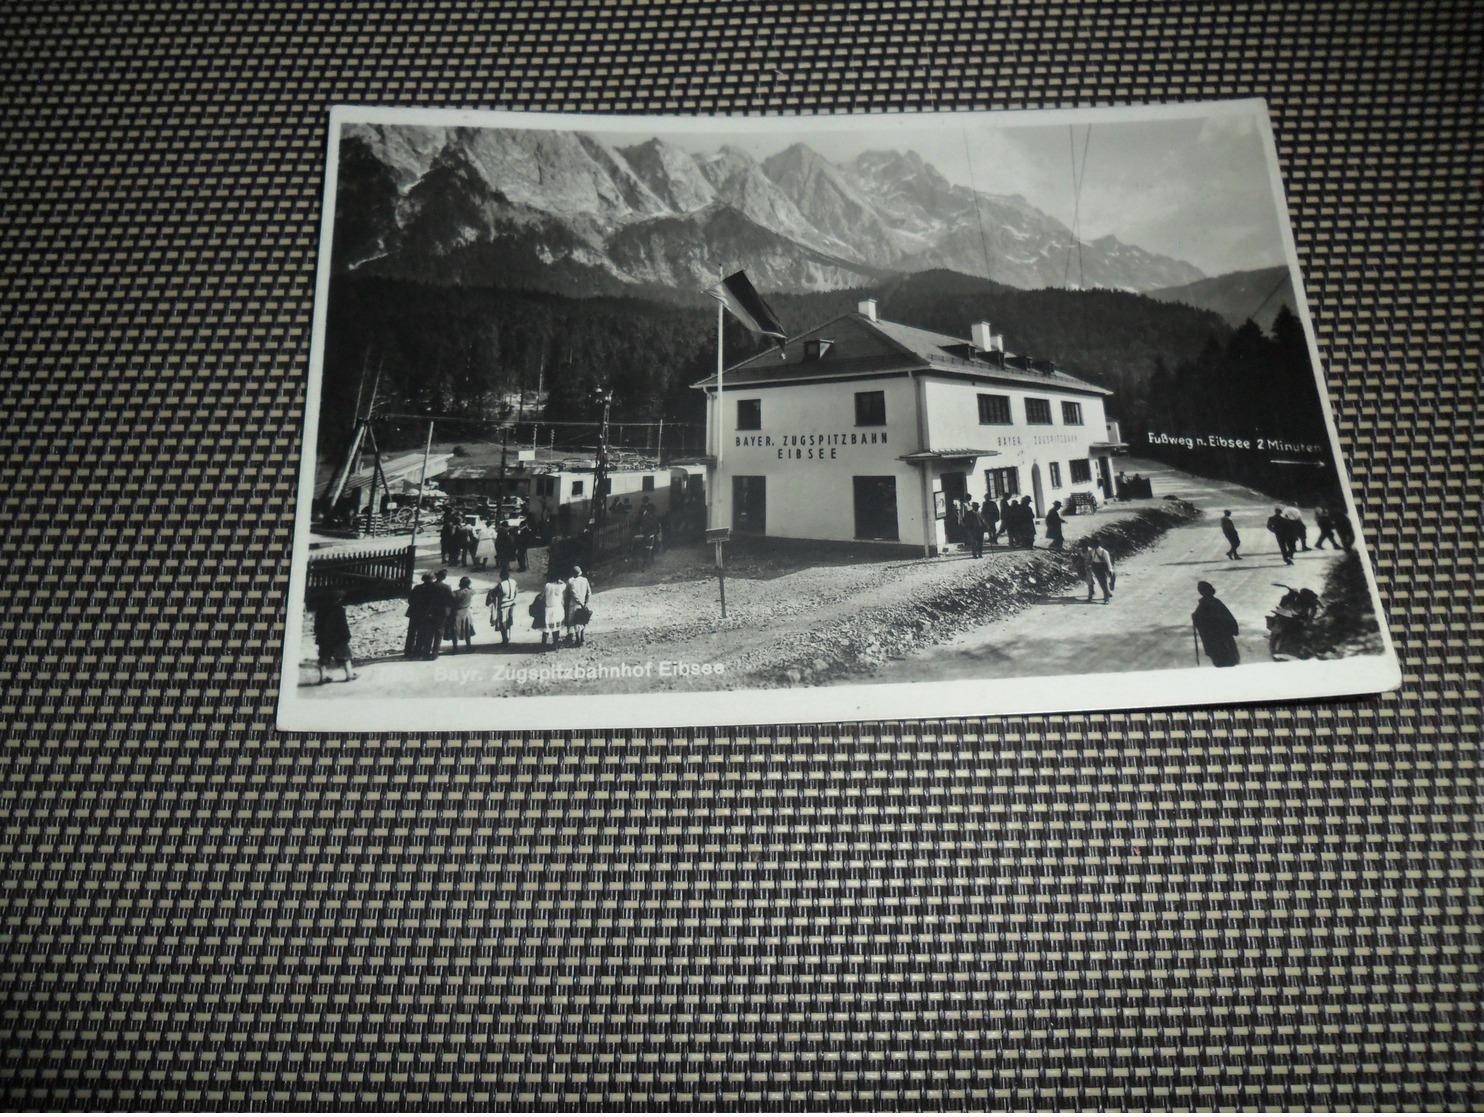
1237, 296
568, 213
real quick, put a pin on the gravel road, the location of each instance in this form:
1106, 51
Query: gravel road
797, 614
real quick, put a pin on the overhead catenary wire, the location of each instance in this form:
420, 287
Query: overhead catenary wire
530, 422
1282, 279
1078, 177
978, 213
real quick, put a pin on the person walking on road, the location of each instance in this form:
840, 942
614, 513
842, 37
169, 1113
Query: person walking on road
1298, 530
1027, 523
1213, 622
552, 595
524, 540
1097, 565
1343, 528
578, 602
501, 600
1229, 529
973, 528
1326, 525
419, 613
448, 539
1282, 530
440, 626
1053, 527
462, 617
332, 636
991, 515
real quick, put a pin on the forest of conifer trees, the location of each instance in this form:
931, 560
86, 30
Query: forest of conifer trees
1176, 371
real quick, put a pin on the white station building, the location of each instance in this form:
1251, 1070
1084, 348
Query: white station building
862, 429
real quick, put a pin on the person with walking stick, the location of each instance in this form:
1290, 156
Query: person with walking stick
1212, 624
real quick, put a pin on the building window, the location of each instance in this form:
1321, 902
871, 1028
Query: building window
577, 488
546, 486
1071, 413
870, 409
647, 484
1038, 411
1055, 469
994, 411
1001, 482
1081, 471
749, 414
814, 349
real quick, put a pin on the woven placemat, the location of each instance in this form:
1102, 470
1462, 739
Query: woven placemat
1268, 906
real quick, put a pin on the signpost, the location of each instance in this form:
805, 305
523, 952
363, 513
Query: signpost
718, 537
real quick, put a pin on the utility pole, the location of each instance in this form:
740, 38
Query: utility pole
599, 495
500, 498
417, 509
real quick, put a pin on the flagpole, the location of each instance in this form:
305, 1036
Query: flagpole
721, 313
721, 573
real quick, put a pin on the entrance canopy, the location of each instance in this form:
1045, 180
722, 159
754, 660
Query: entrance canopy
952, 455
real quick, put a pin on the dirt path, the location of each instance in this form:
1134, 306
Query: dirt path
795, 613
1147, 624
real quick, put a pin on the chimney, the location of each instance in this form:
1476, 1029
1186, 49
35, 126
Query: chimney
999, 343
867, 309
983, 336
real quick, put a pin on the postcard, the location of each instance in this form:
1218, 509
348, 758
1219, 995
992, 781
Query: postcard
627, 422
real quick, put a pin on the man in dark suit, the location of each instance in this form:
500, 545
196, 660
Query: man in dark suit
973, 527
419, 605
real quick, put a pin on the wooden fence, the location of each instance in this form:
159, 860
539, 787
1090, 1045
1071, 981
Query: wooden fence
360, 575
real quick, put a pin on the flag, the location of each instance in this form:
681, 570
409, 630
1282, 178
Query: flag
739, 296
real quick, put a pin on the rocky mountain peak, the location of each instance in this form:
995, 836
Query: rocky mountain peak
672, 174
807, 222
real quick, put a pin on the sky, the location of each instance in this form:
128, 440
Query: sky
1196, 188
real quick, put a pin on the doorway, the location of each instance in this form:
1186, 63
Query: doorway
1037, 493
955, 488
750, 505
876, 508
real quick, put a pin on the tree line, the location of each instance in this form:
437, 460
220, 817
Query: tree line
463, 351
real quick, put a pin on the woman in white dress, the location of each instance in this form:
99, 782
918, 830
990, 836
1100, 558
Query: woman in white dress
551, 597
484, 544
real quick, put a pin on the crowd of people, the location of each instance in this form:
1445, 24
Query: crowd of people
561, 610
1291, 532
1012, 518
480, 544
437, 612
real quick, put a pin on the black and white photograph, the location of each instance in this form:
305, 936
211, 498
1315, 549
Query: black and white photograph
640, 421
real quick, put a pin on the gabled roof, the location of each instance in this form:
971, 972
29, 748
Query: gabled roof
860, 347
